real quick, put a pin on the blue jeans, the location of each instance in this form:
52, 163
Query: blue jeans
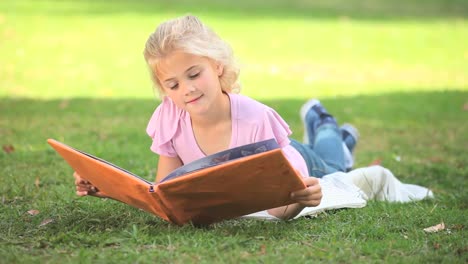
324, 152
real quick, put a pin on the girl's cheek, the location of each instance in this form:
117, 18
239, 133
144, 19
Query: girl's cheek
205, 80
201, 81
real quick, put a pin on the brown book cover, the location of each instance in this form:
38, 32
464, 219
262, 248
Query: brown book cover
225, 185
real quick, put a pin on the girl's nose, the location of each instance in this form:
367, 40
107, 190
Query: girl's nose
188, 87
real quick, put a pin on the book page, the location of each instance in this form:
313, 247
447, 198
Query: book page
113, 165
223, 157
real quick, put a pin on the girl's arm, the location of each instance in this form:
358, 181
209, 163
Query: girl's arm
166, 165
286, 212
310, 196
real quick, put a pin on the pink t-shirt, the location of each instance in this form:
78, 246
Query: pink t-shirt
172, 134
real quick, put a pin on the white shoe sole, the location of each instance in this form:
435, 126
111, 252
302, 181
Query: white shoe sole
348, 156
304, 109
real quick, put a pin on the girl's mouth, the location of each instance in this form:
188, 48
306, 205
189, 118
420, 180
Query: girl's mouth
194, 100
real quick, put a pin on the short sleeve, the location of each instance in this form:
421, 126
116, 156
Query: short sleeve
162, 127
273, 126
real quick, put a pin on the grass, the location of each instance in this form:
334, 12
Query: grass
74, 71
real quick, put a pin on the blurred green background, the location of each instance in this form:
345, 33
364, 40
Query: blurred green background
287, 49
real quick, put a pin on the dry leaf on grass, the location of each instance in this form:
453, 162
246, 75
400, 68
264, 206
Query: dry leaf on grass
33, 212
436, 159
8, 148
262, 249
436, 228
377, 161
465, 106
64, 104
46, 222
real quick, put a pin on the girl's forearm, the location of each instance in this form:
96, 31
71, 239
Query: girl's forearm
286, 212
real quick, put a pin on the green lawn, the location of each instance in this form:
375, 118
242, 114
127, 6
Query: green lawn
74, 71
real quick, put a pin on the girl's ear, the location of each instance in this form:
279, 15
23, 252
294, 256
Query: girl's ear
219, 68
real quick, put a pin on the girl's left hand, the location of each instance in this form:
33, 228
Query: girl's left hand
310, 196
84, 187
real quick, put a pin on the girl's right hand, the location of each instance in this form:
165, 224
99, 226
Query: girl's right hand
310, 196
84, 187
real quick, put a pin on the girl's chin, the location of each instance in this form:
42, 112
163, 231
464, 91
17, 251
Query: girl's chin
195, 108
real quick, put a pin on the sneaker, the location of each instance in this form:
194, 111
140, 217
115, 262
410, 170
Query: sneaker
312, 120
350, 136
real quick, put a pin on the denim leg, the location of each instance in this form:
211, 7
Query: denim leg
328, 145
316, 165
324, 151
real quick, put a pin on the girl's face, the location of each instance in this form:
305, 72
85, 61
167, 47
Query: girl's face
191, 81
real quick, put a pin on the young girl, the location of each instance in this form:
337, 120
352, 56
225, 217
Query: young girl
201, 113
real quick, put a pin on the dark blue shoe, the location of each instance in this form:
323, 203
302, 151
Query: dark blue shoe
350, 136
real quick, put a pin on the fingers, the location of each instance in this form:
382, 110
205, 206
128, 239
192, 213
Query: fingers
309, 181
310, 196
84, 187
99, 194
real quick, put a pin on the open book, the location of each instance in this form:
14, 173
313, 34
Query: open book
221, 186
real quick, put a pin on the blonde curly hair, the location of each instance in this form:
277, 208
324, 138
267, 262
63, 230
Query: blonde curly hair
190, 35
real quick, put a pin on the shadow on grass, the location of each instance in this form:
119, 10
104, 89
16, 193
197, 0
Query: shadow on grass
356, 9
388, 123
87, 121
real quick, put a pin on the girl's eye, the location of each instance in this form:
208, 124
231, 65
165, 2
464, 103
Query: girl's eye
173, 86
195, 75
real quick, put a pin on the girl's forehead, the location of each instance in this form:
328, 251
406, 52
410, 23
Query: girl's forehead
179, 58
178, 62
